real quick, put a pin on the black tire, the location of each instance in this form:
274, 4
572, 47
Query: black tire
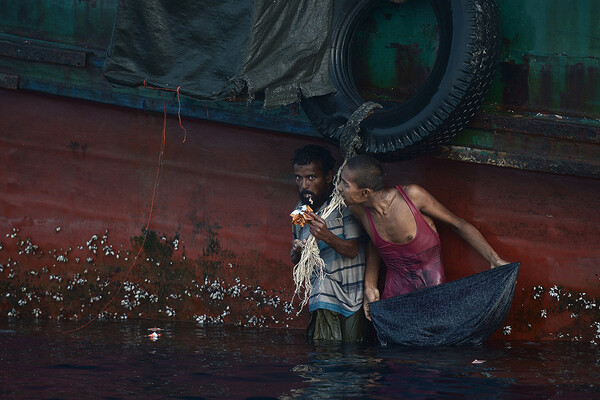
468, 54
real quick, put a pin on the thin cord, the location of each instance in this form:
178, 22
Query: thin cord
146, 229
144, 84
179, 114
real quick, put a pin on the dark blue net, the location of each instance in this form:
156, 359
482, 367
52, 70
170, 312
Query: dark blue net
462, 312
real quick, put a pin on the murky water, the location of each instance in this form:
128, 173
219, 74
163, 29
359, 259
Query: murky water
118, 360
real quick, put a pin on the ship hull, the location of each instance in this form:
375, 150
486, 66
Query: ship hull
109, 209
76, 198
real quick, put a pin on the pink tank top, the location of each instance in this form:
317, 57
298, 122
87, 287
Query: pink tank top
414, 265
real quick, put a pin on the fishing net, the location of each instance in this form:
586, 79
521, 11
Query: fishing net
462, 312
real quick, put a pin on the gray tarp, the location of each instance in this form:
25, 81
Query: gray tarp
215, 49
462, 312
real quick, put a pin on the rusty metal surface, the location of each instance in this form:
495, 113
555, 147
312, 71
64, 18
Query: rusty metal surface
536, 142
392, 58
551, 62
75, 195
549, 126
8, 81
549, 73
77, 177
523, 161
547, 222
84, 23
542, 112
31, 52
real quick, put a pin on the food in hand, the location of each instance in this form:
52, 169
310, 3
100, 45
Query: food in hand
301, 216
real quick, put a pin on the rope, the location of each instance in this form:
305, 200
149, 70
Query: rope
350, 140
145, 85
146, 229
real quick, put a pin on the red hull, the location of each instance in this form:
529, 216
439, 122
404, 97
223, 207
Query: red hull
74, 171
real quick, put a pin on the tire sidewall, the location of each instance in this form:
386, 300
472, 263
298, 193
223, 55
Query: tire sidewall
435, 113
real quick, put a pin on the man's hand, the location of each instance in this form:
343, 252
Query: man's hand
297, 247
346, 247
498, 263
371, 295
318, 228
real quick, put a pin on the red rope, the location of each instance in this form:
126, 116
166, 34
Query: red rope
179, 115
160, 157
144, 84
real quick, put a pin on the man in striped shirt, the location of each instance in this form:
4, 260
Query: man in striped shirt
335, 303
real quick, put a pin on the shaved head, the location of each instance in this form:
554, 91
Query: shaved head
367, 172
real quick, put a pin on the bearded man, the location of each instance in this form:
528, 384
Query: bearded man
335, 303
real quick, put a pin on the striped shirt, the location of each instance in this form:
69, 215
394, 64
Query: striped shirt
341, 289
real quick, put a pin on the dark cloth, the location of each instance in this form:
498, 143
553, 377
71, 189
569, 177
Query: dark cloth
288, 51
462, 312
214, 49
413, 265
326, 325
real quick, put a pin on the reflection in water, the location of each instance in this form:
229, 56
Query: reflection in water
119, 360
520, 371
339, 371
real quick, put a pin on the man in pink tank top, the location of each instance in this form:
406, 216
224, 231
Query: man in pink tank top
400, 224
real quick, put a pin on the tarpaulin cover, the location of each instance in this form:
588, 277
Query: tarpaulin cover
462, 312
216, 49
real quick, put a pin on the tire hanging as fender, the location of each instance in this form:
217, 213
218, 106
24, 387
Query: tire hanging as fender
468, 54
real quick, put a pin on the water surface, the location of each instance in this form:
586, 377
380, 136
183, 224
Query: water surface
118, 360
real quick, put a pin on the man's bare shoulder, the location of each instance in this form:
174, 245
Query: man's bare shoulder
417, 194
413, 189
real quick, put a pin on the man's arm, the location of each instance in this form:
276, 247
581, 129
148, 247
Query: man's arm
373, 260
371, 278
346, 247
428, 205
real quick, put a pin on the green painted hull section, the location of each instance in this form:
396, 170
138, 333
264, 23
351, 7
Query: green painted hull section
548, 77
